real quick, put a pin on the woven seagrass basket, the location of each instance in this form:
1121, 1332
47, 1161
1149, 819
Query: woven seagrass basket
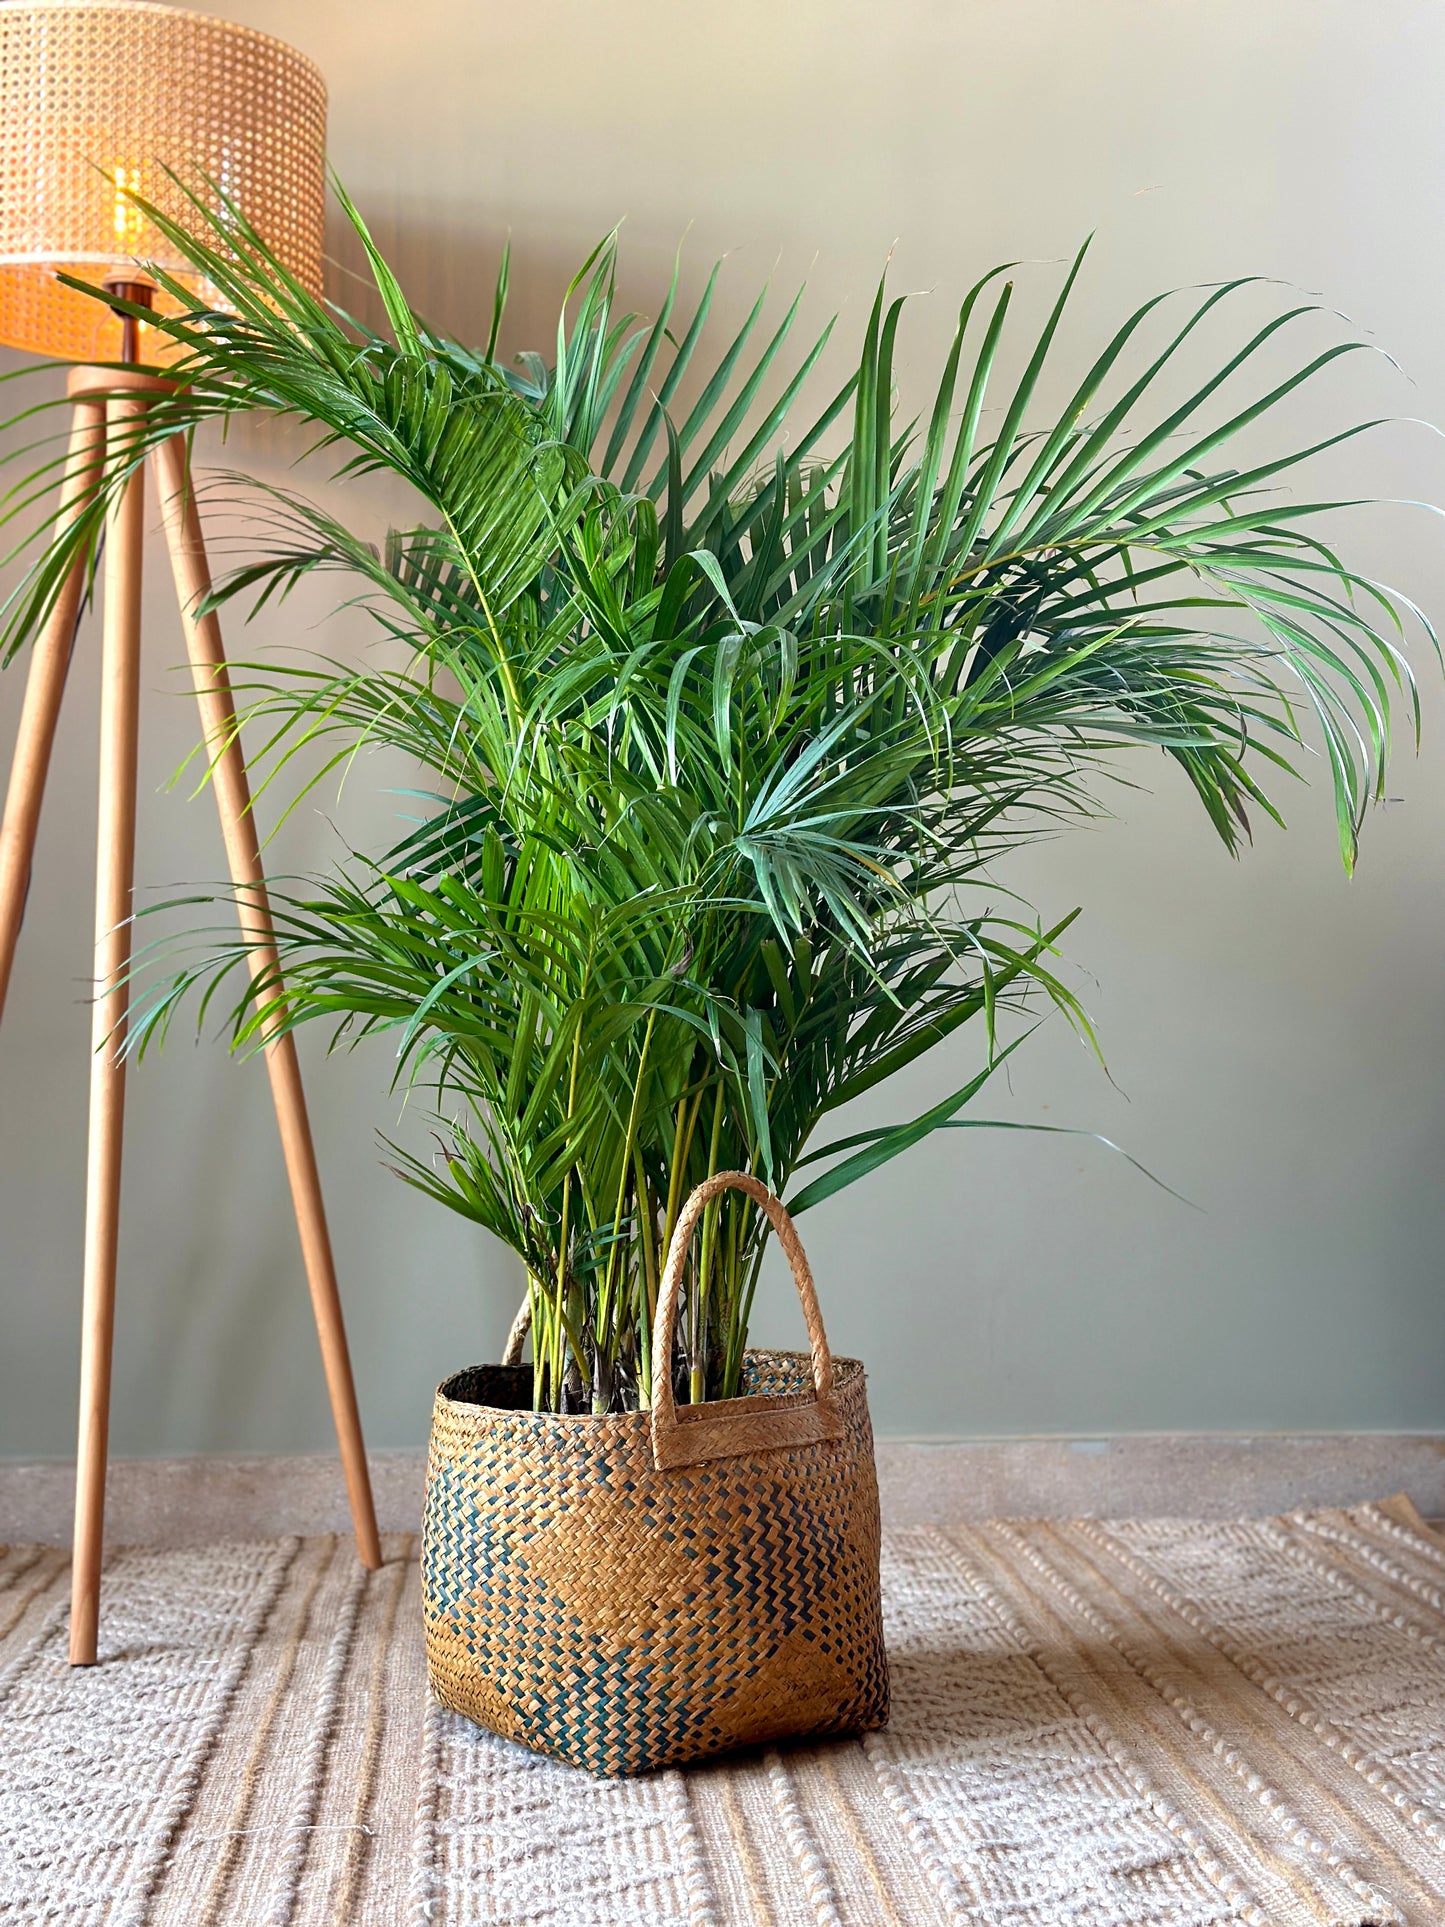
633, 1591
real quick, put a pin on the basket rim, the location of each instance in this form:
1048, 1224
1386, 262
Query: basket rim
846, 1372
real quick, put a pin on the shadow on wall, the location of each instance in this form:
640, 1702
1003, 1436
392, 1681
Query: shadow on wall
448, 270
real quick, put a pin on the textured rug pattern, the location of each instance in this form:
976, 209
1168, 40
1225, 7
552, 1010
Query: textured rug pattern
1160, 1723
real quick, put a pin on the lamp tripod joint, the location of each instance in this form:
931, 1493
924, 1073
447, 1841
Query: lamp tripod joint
129, 284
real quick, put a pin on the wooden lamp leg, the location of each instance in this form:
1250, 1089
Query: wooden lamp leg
49, 665
115, 870
238, 825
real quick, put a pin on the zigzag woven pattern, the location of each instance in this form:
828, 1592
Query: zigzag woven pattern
624, 1618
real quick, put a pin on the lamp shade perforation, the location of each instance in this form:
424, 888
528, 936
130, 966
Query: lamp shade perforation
98, 99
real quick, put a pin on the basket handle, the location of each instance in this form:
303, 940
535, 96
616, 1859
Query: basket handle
727, 1428
517, 1336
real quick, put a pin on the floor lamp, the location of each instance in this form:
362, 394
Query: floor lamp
98, 98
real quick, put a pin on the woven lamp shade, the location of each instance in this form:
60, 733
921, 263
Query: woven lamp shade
98, 98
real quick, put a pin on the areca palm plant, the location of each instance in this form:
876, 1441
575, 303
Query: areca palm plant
725, 707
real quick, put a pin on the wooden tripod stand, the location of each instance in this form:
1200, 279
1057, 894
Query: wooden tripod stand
105, 400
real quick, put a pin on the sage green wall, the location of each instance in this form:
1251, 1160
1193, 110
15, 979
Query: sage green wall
1274, 1032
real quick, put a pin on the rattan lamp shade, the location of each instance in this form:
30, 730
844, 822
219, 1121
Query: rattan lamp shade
124, 89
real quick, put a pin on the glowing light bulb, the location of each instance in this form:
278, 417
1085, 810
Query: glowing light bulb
126, 217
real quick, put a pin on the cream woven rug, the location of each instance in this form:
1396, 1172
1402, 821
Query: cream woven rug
1156, 1724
